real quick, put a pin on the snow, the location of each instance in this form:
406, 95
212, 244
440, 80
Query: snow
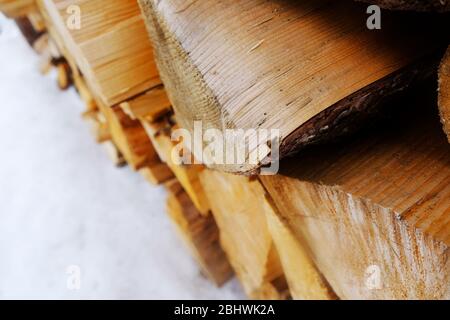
64, 205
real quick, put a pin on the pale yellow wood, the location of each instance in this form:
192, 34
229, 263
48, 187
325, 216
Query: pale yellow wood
41, 46
64, 76
200, 233
188, 175
239, 207
298, 66
130, 138
111, 47
157, 173
99, 127
375, 212
84, 92
17, 8
151, 105
305, 281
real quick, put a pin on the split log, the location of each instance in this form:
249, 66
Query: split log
188, 175
150, 106
36, 21
84, 92
200, 234
303, 278
57, 47
375, 211
157, 174
110, 46
444, 92
239, 207
418, 5
130, 137
153, 110
309, 68
17, 8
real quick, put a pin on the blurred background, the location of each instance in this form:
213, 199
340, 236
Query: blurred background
65, 207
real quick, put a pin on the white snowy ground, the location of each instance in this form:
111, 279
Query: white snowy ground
63, 203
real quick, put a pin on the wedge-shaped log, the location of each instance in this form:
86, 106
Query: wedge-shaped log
188, 175
444, 92
109, 43
239, 207
131, 138
309, 68
200, 233
375, 212
304, 280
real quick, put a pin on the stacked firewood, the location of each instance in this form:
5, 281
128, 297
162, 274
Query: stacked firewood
360, 206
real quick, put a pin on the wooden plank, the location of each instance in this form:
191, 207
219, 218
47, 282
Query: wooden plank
111, 47
309, 68
151, 105
375, 211
304, 280
200, 234
130, 137
239, 207
444, 92
188, 175
84, 92
157, 173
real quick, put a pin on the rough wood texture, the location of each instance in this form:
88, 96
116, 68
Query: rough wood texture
157, 174
239, 207
131, 138
111, 48
150, 106
418, 5
188, 175
381, 202
444, 92
200, 234
308, 68
303, 278
17, 8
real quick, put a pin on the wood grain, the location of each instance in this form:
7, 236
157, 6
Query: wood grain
382, 200
309, 68
111, 48
200, 234
239, 207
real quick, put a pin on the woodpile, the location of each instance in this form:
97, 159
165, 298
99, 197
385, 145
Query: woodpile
360, 207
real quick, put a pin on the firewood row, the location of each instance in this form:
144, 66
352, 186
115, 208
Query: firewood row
360, 207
